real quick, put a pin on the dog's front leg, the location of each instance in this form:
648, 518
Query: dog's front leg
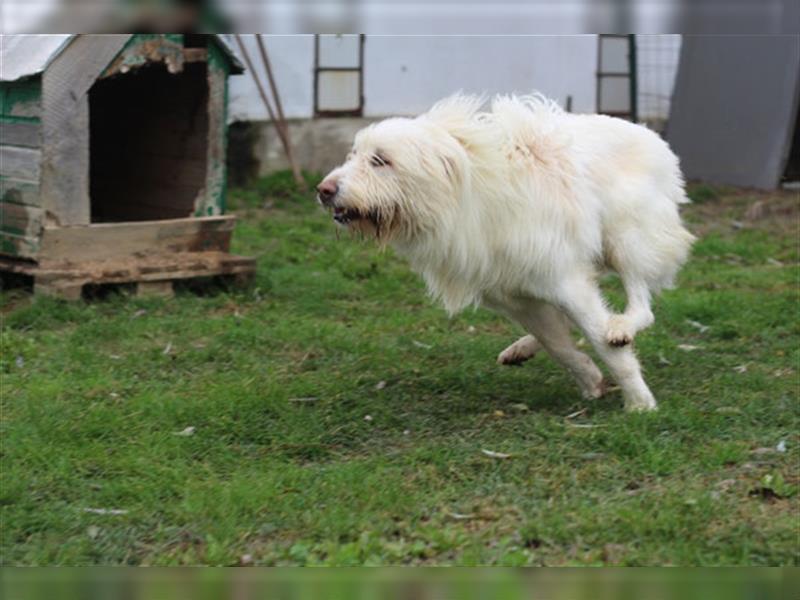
581, 300
552, 330
517, 353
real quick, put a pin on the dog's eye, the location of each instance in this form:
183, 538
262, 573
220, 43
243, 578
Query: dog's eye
379, 161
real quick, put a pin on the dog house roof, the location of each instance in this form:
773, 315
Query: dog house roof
27, 55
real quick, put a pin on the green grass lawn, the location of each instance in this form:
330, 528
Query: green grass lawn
340, 418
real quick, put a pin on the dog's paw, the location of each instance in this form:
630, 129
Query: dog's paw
517, 353
598, 390
619, 332
646, 404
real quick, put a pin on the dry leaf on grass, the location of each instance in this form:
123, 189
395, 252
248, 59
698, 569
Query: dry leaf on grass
697, 325
106, 511
493, 454
460, 516
577, 413
688, 347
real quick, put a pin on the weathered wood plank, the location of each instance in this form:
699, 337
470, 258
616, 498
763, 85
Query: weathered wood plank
20, 163
65, 124
119, 240
28, 135
26, 221
195, 55
154, 268
18, 191
18, 245
213, 201
148, 48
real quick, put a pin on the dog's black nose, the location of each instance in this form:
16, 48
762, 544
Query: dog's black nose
327, 191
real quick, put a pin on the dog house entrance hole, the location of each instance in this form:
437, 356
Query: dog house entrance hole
148, 141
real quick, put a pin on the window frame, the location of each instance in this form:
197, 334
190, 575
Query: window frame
631, 75
356, 112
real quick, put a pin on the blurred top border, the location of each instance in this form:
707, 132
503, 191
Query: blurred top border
403, 17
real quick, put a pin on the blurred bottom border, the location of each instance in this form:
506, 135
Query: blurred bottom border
108, 583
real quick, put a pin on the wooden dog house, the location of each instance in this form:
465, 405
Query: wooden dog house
112, 160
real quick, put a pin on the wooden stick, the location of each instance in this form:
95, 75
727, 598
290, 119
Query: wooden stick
261, 92
298, 178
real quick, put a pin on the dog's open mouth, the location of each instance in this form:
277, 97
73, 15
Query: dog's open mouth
343, 216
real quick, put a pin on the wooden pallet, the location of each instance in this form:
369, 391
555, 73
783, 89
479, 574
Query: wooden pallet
153, 274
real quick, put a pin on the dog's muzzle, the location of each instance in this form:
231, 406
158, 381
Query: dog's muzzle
326, 192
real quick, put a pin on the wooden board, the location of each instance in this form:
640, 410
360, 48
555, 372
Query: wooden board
65, 124
21, 220
148, 48
125, 240
17, 191
20, 163
213, 202
18, 245
21, 99
26, 134
153, 273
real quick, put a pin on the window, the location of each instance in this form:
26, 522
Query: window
616, 76
338, 75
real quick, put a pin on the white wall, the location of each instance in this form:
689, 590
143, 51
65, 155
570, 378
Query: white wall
292, 60
406, 74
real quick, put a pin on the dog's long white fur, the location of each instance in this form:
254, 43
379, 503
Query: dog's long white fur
518, 208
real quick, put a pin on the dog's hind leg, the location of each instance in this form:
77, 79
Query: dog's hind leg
517, 353
552, 329
581, 300
622, 328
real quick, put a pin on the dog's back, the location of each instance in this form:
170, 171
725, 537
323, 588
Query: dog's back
597, 167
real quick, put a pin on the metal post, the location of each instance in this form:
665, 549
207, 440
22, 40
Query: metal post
633, 78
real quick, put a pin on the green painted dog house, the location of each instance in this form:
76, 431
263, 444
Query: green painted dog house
112, 159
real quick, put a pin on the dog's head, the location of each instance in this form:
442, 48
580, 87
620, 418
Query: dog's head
402, 175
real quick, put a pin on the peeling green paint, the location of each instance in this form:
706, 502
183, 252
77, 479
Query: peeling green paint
21, 99
18, 245
18, 192
218, 62
10, 119
149, 48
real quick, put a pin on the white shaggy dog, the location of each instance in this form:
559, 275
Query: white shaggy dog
519, 209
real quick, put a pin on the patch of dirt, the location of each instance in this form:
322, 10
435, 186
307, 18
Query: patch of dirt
776, 212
